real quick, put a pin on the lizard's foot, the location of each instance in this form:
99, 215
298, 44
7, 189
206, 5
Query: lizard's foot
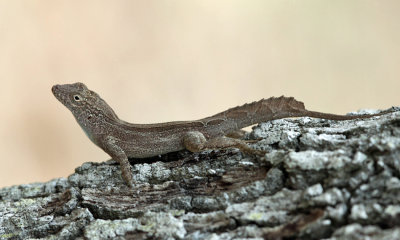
126, 170
251, 140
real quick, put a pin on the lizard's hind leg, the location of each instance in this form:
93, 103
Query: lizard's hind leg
195, 142
240, 134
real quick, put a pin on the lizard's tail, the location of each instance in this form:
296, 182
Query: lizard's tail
275, 108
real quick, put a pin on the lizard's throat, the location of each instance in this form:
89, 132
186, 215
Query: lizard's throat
84, 123
85, 129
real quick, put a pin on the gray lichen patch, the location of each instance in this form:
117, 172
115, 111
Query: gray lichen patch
55, 216
320, 179
34, 190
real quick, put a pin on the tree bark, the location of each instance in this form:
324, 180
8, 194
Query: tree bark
319, 179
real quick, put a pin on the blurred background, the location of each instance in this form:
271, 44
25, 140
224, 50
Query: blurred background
156, 61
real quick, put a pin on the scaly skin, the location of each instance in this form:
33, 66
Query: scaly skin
122, 140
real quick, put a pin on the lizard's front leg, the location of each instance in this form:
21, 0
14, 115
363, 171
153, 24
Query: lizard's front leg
119, 155
195, 142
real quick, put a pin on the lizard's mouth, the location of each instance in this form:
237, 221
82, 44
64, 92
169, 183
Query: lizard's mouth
58, 93
55, 89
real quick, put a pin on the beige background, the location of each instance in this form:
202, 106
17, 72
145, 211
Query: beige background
157, 61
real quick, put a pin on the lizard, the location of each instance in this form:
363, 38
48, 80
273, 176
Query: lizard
123, 140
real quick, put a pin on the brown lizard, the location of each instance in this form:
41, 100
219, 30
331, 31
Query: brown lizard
122, 140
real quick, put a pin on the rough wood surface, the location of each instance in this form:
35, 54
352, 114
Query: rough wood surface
320, 179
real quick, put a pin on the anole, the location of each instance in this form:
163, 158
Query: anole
123, 140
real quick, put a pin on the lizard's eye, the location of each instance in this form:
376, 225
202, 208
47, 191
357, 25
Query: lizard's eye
77, 98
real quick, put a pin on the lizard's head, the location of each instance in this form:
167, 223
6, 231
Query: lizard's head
74, 96
81, 101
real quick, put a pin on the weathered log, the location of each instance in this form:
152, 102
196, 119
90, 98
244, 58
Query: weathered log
320, 179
